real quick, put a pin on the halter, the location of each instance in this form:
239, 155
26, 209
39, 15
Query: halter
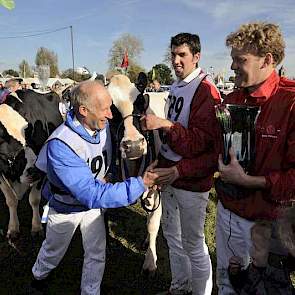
141, 169
121, 123
143, 202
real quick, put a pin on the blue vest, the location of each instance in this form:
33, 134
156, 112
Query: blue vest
96, 155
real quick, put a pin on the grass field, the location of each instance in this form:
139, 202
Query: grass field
124, 256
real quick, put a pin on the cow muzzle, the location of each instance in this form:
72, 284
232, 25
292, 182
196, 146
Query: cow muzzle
133, 150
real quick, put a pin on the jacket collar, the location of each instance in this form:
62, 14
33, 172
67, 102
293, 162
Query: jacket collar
77, 127
195, 73
265, 90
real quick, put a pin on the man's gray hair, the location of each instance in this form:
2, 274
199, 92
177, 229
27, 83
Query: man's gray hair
80, 95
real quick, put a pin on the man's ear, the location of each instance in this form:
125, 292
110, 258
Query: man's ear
268, 60
197, 57
83, 110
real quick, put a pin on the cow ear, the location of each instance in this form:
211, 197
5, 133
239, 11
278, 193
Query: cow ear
142, 82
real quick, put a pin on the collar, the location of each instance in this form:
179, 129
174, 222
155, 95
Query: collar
266, 89
76, 122
195, 73
73, 123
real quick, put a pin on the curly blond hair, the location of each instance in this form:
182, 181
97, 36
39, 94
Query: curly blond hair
259, 38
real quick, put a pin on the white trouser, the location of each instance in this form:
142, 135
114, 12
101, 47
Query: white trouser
183, 221
233, 238
59, 232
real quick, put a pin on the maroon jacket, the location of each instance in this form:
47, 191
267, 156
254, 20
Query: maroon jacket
275, 149
197, 144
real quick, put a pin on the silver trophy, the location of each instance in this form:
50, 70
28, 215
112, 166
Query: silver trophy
43, 75
238, 129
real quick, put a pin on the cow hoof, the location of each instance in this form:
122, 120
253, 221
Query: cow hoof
12, 236
18, 242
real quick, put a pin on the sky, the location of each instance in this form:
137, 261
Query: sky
98, 23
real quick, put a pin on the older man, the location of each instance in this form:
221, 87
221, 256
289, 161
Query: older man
269, 185
76, 158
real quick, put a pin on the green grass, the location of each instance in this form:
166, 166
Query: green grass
131, 240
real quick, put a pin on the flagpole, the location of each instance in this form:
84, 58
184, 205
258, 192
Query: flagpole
72, 46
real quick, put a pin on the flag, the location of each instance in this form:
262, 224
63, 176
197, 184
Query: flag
124, 63
153, 74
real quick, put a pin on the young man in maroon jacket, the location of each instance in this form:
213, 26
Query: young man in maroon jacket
187, 161
256, 49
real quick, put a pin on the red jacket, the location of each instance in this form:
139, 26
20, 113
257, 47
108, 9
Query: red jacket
196, 144
275, 149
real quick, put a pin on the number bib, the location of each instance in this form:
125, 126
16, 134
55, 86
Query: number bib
178, 107
96, 155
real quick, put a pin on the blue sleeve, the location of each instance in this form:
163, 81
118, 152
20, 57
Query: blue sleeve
71, 173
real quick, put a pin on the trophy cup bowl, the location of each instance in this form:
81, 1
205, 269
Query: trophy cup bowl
238, 129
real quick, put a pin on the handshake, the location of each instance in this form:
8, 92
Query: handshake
159, 176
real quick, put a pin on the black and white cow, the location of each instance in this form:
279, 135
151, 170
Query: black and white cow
27, 118
129, 99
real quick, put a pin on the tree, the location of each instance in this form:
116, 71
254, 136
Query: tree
24, 69
9, 4
167, 57
10, 72
46, 57
162, 73
128, 43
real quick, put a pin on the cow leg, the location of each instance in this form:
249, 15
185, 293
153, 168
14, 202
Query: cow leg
34, 200
153, 225
12, 202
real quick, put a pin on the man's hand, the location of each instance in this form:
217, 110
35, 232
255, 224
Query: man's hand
108, 178
166, 175
34, 174
149, 177
233, 172
152, 122
235, 265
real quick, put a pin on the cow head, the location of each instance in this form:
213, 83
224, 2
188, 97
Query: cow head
124, 93
15, 156
12, 156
